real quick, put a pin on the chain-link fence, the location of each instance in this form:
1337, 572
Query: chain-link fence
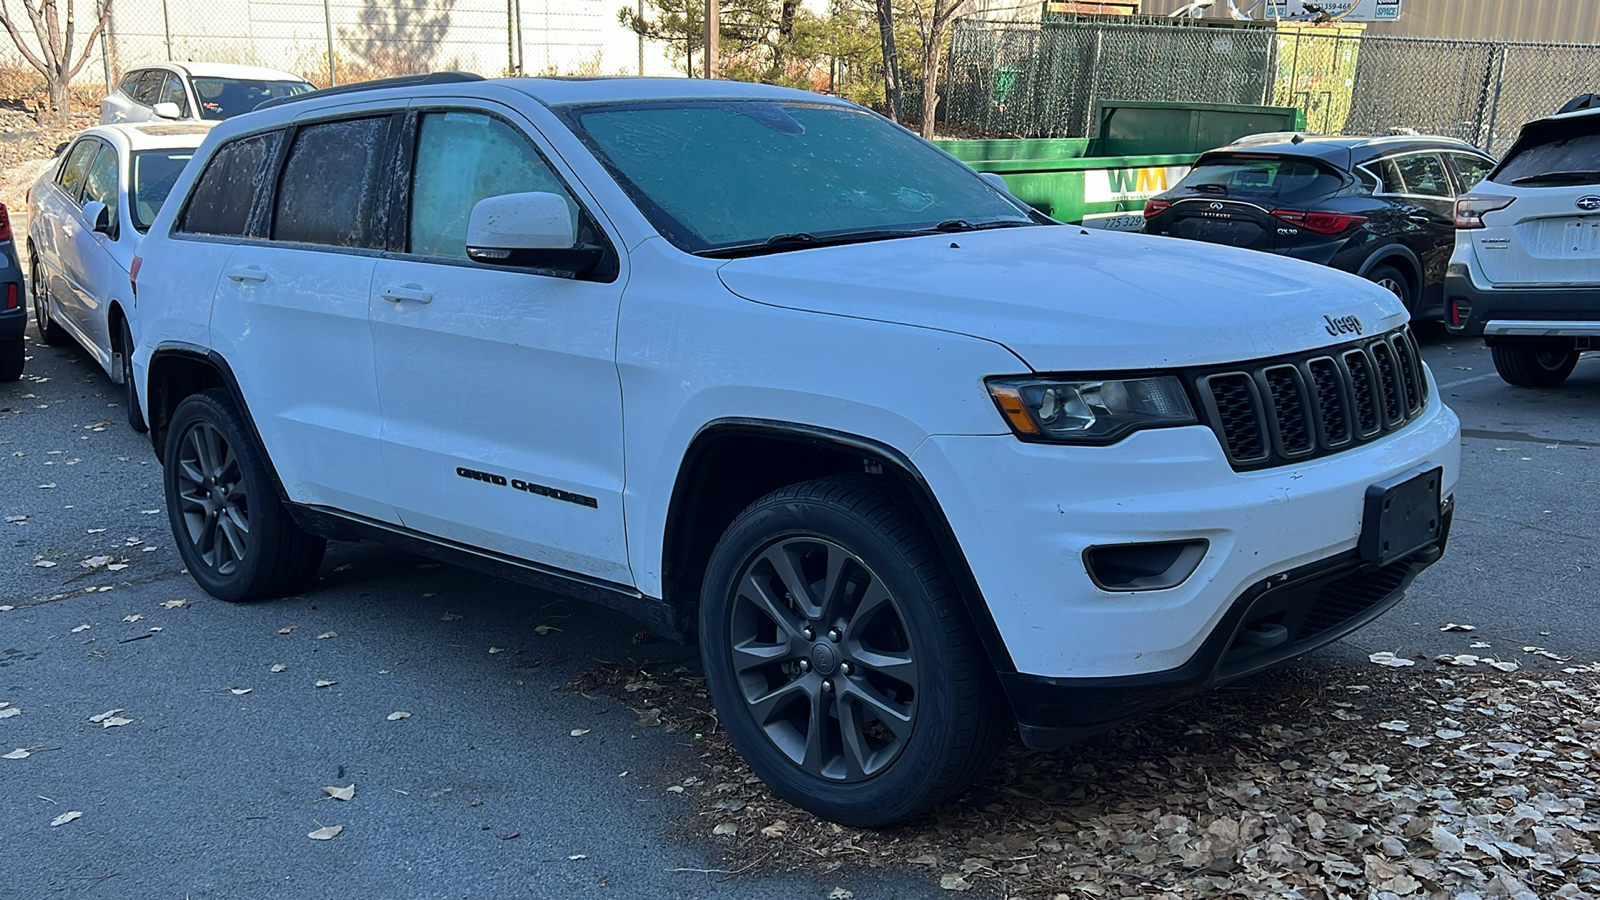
349, 40
1043, 80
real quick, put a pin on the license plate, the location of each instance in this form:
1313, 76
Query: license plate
1127, 222
1402, 516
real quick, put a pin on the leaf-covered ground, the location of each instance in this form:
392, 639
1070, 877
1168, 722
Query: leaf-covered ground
1459, 782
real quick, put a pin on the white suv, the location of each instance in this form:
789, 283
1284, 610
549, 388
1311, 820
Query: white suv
760, 367
1526, 269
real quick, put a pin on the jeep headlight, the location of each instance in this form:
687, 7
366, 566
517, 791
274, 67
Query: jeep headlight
1090, 411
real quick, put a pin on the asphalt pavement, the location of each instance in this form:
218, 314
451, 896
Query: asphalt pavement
212, 784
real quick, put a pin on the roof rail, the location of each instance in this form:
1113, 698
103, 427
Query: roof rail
375, 84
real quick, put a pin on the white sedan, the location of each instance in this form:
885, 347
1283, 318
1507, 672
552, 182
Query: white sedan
88, 213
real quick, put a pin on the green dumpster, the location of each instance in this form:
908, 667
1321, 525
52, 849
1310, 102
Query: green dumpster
1141, 149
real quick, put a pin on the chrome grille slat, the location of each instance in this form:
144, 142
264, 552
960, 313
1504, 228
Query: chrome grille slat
1282, 410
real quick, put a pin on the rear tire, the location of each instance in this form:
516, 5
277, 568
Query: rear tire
232, 531
49, 331
13, 356
1535, 362
1392, 280
130, 390
840, 656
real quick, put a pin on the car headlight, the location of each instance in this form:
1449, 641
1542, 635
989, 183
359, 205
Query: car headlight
1090, 411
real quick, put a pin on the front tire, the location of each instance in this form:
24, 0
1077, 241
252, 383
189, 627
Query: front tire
1535, 363
838, 650
1392, 280
233, 533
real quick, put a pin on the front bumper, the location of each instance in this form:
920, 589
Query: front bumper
1525, 312
1024, 514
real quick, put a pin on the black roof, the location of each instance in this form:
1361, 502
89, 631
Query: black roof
1342, 150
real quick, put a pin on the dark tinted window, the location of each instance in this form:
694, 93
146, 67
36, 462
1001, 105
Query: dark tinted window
1424, 175
330, 190
76, 167
1472, 169
152, 173
221, 200
1554, 154
222, 98
101, 183
1263, 179
149, 86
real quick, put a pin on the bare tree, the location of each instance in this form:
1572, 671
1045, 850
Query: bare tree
891, 59
52, 55
935, 26
394, 39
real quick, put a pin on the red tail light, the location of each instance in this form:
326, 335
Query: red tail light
1153, 208
1319, 222
11, 296
5, 223
133, 275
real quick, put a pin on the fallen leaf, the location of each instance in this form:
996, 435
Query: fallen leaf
506, 834
101, 717
288, 628
96, 530
1386, 658
94, 562
16, 519
132, 618
580, 732
341, 793
497, 649
840, 894
10, 711
650, 718
66, 817
1451, 626
6, 608
279, 667
726, 828
323, 682
1505, 666
327, 634
19, 753
543, 630
174, 604
116, 567
954, 883
397, 715
326, 833
238, 691
1395, 725
83, 627
44, 563
776, 829
576, 856
115, 721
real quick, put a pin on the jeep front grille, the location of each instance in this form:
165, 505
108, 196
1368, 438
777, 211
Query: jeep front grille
1287, 409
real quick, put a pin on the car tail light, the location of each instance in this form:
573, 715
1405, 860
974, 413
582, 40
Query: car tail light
1471, 208
5, 223
11, 296
133, 276
1153, 208
1319, 222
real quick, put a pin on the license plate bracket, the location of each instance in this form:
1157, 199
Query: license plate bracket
1402, 516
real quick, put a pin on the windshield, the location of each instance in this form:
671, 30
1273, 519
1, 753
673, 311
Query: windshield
223, 98
1563, 152
717, 175
153, 174
1266, 179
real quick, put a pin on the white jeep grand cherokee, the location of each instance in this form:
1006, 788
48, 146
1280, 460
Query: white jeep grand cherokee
757, 366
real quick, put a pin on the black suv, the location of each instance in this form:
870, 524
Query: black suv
1380, 207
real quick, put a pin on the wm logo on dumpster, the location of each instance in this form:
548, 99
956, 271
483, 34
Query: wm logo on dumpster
1106, 185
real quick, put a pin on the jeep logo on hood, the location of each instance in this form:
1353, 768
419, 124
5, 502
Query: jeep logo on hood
1342, 325
1589, 203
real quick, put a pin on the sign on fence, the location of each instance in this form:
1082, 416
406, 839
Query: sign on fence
1338, 10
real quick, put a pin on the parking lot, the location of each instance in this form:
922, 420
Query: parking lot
505, 779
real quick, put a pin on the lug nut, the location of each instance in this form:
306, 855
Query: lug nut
834, 635
845, 668
808, 634
805, 666
827, 684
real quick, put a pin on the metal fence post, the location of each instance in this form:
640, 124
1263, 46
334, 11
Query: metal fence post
327, 21
1494, 104
166, 28
105, 57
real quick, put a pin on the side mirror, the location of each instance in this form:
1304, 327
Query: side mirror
99, 216
167, 110
995, 181
534, 230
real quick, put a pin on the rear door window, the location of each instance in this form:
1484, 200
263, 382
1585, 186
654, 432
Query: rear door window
1268, 180
223, 198
1551, 154
1423, 175
332, 188
76, 167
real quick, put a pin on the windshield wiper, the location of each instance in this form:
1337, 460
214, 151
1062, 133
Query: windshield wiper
955, 225
1584, 177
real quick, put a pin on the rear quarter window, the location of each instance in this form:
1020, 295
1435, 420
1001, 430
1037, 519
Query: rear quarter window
224, 196
1264, 179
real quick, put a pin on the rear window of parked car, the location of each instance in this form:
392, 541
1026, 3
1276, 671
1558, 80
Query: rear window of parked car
222, 199
1552, 154
153, 173
1267, 179
224, 98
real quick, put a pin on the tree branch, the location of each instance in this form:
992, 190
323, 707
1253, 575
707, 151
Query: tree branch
88, 46
16, 38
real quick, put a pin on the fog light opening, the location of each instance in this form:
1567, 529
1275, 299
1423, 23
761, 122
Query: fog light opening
1154, 566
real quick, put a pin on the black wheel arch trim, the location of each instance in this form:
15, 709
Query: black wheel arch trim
893, 460
155, 401
1384, 254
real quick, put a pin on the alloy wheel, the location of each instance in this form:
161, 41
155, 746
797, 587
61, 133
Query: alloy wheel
1393, 286
823, 659
215, 504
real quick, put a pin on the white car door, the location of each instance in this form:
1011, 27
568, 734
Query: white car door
101, 258
81, 254
502, 406
54, 222
291, 314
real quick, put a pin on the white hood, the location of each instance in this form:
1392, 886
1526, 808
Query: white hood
1066, 300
